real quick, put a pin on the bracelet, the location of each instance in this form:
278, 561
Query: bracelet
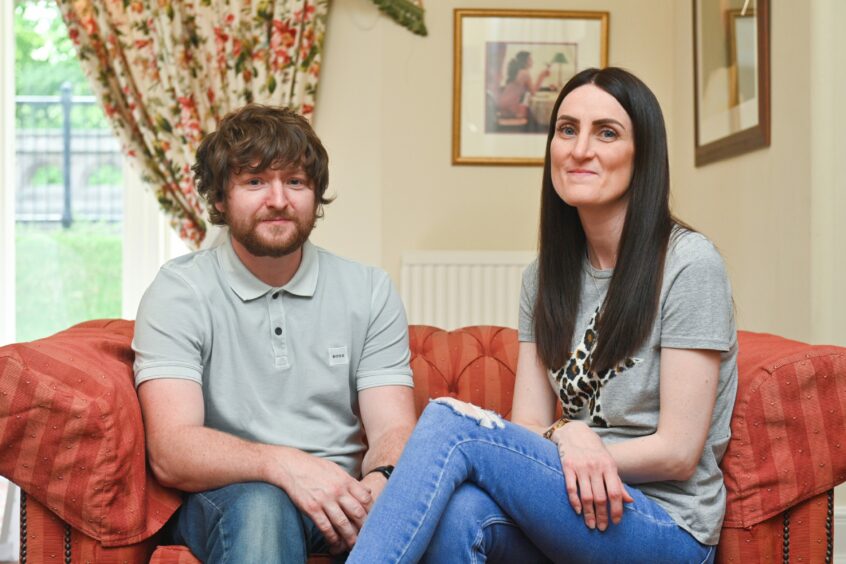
386, 471
554, 427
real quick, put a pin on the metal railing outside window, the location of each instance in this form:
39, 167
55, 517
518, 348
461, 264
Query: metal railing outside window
69, 164
69, 213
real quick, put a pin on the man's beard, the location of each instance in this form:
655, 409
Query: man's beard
258, 244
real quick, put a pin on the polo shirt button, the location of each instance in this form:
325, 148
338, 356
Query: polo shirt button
278, 331
275, 295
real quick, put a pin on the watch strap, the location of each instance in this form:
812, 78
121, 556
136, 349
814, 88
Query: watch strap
386, 470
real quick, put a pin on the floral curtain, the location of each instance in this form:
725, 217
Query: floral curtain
407, 13
166, 71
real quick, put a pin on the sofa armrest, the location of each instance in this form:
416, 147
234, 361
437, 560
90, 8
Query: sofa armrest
788, 429
72, 436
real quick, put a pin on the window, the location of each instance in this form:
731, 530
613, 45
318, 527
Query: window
80, 237
68, 185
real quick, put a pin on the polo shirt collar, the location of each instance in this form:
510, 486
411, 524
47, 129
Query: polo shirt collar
245, 284
304, 282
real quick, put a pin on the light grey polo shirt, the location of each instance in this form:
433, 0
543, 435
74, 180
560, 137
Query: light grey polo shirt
277, 365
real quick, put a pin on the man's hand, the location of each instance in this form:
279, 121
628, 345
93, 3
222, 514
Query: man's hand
375, 482
336, 502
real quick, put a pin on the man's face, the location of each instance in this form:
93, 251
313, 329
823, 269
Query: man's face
270, 213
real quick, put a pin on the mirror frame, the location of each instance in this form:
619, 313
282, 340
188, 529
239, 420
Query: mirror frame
749, 139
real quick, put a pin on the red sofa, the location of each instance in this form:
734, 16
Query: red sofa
71, 437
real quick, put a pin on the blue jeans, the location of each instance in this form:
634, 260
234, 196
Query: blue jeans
252, 522
467, 493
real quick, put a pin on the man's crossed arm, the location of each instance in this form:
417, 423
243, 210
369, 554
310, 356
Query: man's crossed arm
185, 454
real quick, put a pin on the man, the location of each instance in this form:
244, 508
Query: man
261, 364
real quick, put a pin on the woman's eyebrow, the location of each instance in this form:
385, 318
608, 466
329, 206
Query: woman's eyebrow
609, 121
603, 121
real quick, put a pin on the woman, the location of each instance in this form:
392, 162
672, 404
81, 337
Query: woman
630, 472
512, 101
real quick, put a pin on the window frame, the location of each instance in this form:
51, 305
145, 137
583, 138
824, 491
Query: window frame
7, 169
8, 524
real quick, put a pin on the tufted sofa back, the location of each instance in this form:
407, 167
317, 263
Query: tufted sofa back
475, 364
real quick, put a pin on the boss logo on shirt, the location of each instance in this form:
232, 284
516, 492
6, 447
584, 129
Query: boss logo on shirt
338, 355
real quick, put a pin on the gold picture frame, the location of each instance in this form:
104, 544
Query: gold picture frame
508, 67
731, 51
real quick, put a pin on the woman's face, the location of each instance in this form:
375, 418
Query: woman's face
592, 151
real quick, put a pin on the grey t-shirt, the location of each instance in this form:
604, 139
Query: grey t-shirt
696, 312
282, 365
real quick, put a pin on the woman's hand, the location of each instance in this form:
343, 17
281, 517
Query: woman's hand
590, 473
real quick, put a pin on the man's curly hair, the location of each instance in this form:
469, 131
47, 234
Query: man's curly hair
255, 138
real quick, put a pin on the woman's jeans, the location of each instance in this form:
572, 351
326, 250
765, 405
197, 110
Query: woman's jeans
247, 523
465, 492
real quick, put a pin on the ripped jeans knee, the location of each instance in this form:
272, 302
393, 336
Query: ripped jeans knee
484, 417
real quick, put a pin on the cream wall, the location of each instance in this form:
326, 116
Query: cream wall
828, 171
349, 121
385, 113
828, 193
756, 207
775, 213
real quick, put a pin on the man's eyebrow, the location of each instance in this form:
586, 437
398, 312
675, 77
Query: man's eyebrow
603, 121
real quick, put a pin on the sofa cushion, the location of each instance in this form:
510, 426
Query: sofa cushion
71, 433
788, 432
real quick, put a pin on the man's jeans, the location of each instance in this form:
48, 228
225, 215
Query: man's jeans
246, 523
469, 490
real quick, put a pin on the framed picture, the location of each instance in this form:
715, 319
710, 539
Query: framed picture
509, 66
731, 49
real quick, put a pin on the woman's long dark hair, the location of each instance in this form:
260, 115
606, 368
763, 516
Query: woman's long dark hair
632, 301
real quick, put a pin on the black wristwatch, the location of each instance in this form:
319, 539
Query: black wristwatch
386, 471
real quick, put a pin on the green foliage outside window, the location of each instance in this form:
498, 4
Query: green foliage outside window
44, 55
66, 276
47, 175
45, 59
106, 175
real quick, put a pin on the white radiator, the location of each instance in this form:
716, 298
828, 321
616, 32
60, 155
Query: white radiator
451, 289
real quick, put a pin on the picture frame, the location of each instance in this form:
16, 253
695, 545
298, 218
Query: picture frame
508, 68
731, 77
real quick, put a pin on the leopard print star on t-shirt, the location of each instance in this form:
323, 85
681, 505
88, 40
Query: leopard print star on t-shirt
579, 385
